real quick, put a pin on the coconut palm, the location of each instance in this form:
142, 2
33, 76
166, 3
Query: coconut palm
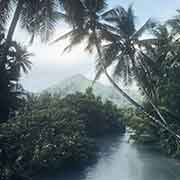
14, 64
94, 31
84, 26
154, 60
125, 47
36, 16
124, 42
160, 61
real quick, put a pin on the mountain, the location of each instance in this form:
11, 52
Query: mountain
79, 83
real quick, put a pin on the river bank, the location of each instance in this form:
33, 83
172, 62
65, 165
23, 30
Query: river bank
120, 159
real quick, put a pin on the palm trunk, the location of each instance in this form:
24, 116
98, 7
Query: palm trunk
14, 21
11, 32
150, 101
132, 101
5, 109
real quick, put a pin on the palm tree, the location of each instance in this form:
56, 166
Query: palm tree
94, 30
14, 64
130, 48
36, 16
125, 47
161, 61
124, 43
155, 58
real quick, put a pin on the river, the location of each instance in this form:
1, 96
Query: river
121, 160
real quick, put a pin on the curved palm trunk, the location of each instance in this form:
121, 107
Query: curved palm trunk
132, 101
151, 102
14, 21
145, 92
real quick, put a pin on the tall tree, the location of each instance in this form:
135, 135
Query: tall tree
14, 64
124, 42
38, 18
125, 46
162, 63
92, 28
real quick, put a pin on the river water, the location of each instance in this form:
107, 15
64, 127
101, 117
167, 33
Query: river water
121, 160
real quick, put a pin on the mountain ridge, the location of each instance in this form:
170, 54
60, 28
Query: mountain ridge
79, 83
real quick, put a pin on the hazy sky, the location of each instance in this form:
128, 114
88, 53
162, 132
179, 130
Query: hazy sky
50, 66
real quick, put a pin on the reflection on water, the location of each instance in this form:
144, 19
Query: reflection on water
120, 160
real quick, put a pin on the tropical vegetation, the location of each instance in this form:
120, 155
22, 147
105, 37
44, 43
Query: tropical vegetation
162, 85
12, 65
121, 38
53, 132
49, 131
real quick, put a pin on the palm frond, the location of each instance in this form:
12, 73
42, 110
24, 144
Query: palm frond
75, 11
110, 55
64, 36
147, 42
77, 36
130, 20
95, 5
149, 24
160, 32
109, 33
123, 69
40, 18
20, 58
91, 42
115, 15
122, 19
5, 10
174, 23
148, 60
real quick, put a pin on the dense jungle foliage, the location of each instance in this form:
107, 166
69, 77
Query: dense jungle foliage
163, 87
51, 132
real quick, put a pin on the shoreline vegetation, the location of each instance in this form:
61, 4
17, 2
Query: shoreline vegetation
144, 132
51, 133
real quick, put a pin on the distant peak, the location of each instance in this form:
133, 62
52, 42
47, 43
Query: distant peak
78, 76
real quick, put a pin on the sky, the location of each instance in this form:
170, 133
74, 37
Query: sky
50, 66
